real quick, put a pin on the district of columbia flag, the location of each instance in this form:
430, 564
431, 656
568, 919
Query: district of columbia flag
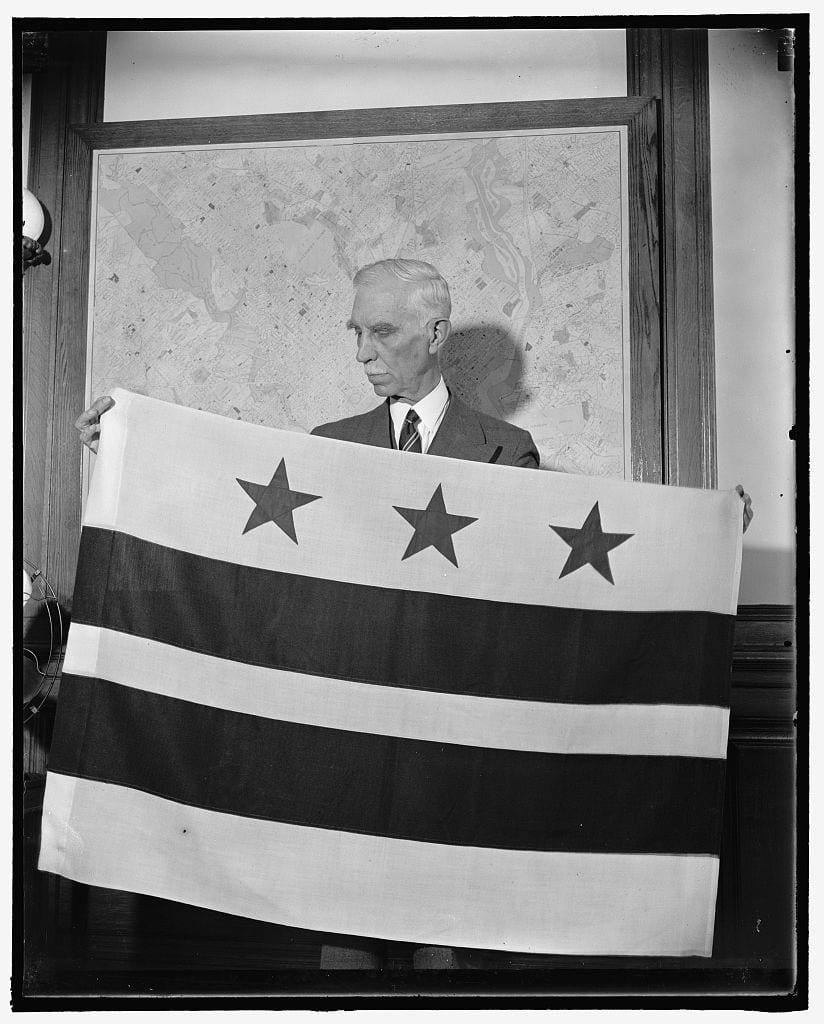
369, 692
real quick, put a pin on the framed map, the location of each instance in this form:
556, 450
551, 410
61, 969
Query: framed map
222, 253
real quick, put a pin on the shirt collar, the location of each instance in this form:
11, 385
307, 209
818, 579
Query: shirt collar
430, 408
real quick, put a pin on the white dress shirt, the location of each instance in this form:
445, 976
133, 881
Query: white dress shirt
431, 409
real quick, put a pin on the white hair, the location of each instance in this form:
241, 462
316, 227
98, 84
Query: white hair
428, 285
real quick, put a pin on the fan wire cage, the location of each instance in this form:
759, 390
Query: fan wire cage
42, 665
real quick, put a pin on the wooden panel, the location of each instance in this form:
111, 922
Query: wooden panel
672, 65
759, 855
764, 693
343, 124
758, 889
71, 89
69, 378
40, 309
645, 312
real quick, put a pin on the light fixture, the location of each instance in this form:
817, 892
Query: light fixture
34, 223
34, 220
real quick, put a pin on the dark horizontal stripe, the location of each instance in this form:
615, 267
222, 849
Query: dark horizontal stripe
402, 638
405, 789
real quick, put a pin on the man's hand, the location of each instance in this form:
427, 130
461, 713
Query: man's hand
748, 512
87, 423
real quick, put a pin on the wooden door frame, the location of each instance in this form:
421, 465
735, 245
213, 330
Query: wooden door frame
672, 65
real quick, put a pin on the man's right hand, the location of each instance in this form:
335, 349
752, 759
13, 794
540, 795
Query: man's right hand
87, 423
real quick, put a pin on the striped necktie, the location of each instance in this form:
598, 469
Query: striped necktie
410, 439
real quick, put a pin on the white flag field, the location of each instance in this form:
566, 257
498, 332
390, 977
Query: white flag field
377, 693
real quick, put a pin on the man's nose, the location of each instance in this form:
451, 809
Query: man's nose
366, 352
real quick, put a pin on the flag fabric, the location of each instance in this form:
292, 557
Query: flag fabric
379, 693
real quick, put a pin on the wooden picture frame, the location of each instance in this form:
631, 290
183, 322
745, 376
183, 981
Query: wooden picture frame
637, 115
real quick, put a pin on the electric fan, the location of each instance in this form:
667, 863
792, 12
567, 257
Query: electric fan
43, 639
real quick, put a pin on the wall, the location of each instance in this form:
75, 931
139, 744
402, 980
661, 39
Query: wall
192, 74
198, 74
751, 125
25, 120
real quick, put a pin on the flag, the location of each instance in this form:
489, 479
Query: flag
370, 692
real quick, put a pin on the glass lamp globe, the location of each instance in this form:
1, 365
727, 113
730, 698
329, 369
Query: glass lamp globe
33, 218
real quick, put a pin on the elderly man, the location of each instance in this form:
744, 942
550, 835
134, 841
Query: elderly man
401, 322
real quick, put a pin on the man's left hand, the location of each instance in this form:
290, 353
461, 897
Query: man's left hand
748, 512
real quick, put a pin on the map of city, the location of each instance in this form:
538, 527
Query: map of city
221, 277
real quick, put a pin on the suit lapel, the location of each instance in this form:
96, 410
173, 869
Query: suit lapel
378, 427
460, 435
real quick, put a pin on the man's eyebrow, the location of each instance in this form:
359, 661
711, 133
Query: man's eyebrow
380, 325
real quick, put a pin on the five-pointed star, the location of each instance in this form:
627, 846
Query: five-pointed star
434, 527
590, 545
274, 502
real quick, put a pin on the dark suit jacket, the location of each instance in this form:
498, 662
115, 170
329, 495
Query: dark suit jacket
463, 434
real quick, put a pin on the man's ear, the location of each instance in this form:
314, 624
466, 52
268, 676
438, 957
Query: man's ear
437, 330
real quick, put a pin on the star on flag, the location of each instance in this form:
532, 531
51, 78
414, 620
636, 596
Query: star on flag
433, 527
590, 545
275, 502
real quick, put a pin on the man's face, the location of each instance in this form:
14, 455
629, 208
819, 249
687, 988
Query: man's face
397, 345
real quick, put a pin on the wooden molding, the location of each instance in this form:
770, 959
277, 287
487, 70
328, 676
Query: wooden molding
672, 65
764, 697
68, 89
362, 123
